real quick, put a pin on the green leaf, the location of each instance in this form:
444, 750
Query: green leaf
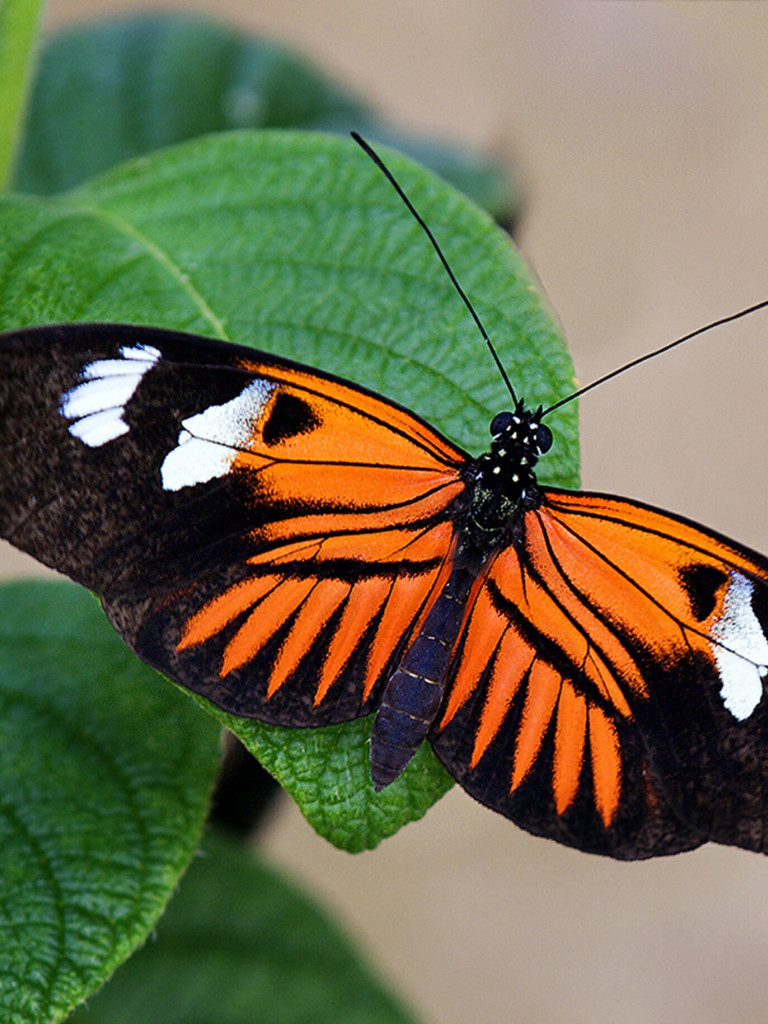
105, 772
240, 944
116, 89
327, 772
19, 21
296, 244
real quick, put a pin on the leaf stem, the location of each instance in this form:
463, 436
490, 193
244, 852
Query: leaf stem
19, 24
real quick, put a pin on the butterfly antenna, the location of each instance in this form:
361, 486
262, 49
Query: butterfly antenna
425, 227
657, 352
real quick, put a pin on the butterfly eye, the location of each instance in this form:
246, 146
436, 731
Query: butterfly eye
543, 438
501, 421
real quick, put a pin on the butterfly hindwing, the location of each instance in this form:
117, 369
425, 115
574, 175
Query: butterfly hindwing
267, 535
608, 681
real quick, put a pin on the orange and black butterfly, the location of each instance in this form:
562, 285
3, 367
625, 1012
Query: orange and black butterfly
303, 551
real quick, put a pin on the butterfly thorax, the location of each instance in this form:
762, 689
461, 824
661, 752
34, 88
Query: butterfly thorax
502, 481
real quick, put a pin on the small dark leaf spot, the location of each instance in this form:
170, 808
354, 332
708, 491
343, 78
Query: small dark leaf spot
288, 417
701, 584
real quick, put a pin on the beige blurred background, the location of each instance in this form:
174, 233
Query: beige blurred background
641, 130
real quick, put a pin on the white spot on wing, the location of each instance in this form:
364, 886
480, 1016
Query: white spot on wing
209, 441
741, 650
96, 405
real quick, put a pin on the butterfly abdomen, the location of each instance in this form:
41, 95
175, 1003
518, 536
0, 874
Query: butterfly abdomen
414, 693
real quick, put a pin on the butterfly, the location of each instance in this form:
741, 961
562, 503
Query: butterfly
303, 551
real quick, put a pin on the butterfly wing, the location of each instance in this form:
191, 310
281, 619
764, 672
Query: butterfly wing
608, 682
265, 534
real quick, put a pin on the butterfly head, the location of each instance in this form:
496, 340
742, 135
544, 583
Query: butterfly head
521, 431
518, 440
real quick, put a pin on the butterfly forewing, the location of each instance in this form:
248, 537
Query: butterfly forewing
267, 535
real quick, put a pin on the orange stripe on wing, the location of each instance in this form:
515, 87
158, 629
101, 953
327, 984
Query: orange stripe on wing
540, 702
315, 611
481, 633
346, 538
262, 623
225, 608
513, 662
354, 486
570, 740
364, 602
304, 550
606, 764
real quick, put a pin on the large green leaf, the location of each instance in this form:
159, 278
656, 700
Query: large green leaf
18, 32
296, 244
238, 944
105, 773
327, 772
107, 91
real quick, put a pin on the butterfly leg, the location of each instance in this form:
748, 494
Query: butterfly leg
414, 692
